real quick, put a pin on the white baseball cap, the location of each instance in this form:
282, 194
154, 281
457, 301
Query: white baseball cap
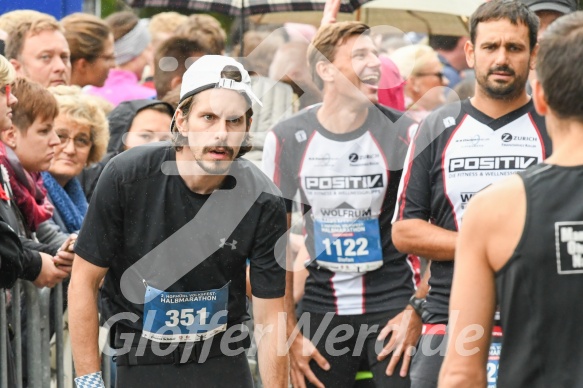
205, 73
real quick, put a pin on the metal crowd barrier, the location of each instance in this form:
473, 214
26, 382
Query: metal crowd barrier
38, 339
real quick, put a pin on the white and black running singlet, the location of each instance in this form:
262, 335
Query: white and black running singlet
349, 182
457, 152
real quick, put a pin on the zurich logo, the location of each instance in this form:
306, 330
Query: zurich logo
353, 158
506, 138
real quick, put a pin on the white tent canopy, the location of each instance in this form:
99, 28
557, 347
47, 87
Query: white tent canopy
438, 17
441, 17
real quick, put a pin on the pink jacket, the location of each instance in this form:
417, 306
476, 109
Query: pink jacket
120, 86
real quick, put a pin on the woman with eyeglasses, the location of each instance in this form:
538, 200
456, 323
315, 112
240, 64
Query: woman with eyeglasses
26, 149
20, 257
83, 133
425, 82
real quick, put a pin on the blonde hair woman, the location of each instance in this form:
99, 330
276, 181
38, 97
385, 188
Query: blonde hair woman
83, 133
7, 99
422, 71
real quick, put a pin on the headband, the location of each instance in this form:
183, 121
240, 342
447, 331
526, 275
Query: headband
132, 44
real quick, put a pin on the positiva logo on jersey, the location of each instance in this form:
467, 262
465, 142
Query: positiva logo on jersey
343, 182
492, 163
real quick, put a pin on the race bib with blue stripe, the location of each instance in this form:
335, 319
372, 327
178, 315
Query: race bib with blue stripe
353, 246
184, 316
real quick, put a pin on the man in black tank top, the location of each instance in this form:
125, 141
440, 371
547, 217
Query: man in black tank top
521, 245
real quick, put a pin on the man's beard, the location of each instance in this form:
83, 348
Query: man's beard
218, 167
508, 91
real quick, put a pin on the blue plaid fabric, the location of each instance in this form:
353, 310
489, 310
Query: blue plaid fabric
92, 380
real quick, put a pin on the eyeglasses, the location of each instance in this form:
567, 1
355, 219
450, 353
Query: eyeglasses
440, 74
6, 90
80, 142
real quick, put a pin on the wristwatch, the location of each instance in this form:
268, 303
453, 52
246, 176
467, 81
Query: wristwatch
417, 304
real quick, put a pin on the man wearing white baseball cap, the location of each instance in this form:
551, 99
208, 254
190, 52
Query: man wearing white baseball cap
170, 227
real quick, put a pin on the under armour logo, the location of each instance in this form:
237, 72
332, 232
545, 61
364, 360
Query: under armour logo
224, 242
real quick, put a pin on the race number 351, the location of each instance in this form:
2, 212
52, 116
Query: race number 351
185, 317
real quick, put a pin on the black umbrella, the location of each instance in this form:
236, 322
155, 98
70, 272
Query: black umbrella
246, 7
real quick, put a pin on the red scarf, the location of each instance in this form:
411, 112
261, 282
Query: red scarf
3, 194
28, 190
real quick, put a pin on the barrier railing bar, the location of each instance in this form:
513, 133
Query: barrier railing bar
58, 313
3, 341
37, 346
33, 337
106, 370
16, 325
44, 323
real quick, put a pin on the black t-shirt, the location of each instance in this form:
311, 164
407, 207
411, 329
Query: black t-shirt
144, 218
539, 288
349, 181
457, 152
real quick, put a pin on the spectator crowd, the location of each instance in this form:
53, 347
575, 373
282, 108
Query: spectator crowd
375, 141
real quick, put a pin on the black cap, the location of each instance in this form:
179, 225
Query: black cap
562, 6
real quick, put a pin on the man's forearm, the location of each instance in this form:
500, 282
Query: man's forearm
419, 237
84, 328
273, 359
